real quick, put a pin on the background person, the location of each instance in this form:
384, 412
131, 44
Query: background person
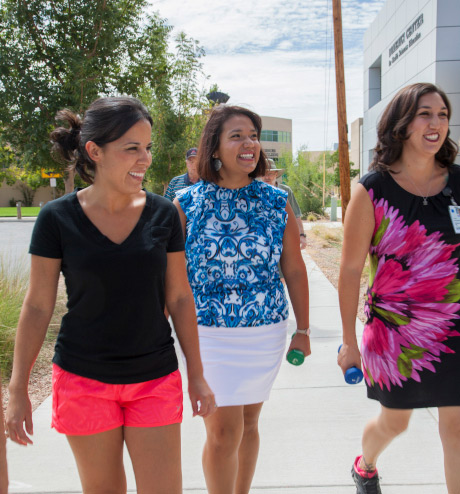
189, 178
272, 176
399, 213
121, 250
237, 229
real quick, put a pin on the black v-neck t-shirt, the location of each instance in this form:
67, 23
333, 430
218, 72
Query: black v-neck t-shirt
114, 330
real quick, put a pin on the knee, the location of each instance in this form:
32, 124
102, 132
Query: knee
251, 426
449, 429
395, 426
224, 439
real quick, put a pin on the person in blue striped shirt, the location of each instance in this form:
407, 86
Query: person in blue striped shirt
185, 180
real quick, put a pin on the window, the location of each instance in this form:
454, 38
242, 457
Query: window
275, 136
375, 82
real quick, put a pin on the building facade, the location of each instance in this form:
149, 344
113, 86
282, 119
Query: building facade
276, 136
410, 41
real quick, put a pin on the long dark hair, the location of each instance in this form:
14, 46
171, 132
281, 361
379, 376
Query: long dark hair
392, 127
106, 120
210, 141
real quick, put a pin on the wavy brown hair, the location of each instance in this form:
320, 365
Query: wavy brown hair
393, 124
210, 141
106, 120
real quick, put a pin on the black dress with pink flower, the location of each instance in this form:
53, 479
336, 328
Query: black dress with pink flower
411, 342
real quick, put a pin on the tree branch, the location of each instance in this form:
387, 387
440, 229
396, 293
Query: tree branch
99, 29
38, 38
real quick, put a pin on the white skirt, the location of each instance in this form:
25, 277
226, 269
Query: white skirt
241, 364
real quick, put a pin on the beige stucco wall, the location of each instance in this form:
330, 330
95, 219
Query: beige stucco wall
7, 192
275, 149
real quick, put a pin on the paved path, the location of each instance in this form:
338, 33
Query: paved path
15, 237
310, 430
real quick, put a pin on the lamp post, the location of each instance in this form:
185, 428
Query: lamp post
216, 97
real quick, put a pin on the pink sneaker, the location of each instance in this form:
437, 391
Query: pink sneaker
366, 482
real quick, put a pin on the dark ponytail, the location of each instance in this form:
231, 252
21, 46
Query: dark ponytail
66, 145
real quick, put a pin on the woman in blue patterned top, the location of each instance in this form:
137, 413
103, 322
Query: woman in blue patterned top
237, 229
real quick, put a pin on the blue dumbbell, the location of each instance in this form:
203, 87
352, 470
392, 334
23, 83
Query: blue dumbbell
353, 375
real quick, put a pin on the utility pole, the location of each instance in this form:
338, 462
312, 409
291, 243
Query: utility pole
344, 160
324, 177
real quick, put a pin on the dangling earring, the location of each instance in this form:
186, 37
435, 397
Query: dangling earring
217, 164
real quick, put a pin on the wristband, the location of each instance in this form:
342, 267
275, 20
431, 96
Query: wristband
303, 235
305, 332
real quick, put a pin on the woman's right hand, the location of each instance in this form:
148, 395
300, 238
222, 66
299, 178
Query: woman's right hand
300, 342
349, 356
18, 415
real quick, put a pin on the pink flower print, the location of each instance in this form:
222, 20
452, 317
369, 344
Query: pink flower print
412, 300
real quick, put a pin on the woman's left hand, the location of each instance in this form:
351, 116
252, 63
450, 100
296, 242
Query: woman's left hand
300, 342
201, 397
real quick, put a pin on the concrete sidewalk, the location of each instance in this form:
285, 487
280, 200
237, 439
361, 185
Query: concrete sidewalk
310, 430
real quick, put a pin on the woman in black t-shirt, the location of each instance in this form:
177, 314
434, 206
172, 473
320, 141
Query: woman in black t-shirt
121, 251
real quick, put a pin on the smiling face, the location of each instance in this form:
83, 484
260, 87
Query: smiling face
428, 129
239, 148
122, 164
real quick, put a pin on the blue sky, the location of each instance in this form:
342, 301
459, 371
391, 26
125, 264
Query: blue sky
277, 58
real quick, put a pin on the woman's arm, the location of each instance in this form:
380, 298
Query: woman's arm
181, 306
358, 231
3, 465
36, 313
295, 274
183, 218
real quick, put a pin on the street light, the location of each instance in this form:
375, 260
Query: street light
217, 97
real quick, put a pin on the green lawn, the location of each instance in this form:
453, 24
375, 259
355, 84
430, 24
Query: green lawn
13, 212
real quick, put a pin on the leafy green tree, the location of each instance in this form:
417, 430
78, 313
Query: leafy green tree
332, 161
178, 108
58, 54
27, 181
305, 179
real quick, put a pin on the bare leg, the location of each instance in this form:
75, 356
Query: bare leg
156, 456
380, 431
449, 430
99, 460
224, 432
249, 448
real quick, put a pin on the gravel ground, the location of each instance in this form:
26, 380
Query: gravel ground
324, 247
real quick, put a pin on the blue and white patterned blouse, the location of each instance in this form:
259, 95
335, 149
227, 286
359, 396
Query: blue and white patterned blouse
233, 245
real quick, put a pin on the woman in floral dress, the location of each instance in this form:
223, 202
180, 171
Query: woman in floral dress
404, 214
237, 229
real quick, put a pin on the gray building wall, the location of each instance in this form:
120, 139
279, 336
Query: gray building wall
410, 41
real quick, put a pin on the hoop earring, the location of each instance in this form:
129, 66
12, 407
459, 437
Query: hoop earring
217, 164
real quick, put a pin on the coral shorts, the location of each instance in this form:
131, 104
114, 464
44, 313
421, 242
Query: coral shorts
83, 406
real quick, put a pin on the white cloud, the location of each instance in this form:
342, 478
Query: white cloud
278, 58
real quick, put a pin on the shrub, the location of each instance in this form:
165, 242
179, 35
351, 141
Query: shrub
14, 277
311, 216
